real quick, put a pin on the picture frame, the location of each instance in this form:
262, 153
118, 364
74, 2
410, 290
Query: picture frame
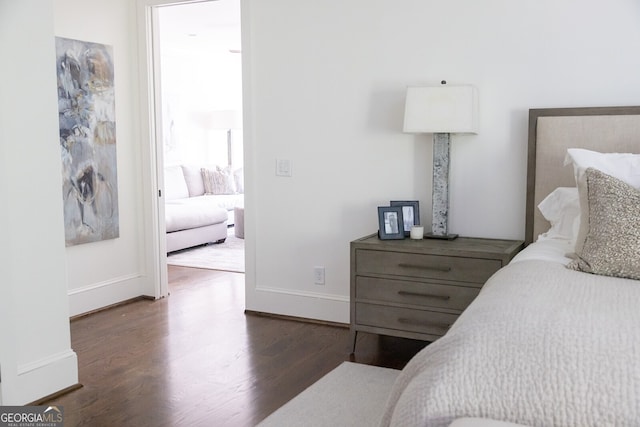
410, 213
390, 222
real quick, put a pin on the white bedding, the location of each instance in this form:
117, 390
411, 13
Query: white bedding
555, 250
542, 346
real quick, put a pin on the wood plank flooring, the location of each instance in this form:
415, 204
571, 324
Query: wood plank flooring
196, 359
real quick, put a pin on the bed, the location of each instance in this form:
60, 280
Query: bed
553, 339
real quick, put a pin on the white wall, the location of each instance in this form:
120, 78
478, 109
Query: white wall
107, 272
35, 354
324, 87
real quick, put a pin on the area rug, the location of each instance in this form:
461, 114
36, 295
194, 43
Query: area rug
227, 256
350, 395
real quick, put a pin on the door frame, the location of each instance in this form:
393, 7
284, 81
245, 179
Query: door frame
151, 152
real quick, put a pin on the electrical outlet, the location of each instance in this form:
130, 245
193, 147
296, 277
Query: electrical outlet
318, 275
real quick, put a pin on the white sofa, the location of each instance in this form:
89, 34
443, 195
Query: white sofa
192, 217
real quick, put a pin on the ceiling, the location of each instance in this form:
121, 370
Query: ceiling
214, 25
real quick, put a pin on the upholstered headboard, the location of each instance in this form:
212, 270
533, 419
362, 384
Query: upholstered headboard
553, 131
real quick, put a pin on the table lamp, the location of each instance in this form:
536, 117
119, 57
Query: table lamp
226, 120
441, 110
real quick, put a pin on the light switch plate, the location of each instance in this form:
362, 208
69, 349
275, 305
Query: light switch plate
283, 167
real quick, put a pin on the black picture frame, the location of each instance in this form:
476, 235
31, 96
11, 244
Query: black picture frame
410, 213
390, 222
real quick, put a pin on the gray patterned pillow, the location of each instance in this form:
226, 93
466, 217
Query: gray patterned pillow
219, 181
611, 246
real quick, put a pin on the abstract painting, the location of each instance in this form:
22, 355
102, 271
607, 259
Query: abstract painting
86, 111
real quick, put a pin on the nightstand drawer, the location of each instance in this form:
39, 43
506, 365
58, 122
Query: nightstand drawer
462, 269
404, 319
414, 293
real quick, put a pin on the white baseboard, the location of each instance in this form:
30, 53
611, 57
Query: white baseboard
103, 294
309, 305
40, 378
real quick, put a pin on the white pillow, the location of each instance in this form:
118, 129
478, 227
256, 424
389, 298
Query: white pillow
623, 166
562, 209
175, 187
238, 176
193, 178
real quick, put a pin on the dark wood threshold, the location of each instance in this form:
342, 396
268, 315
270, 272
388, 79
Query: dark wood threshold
297, 319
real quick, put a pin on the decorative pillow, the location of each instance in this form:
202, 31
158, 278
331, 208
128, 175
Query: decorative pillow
175, 186
562, 209
612, 241
238, 175
218, 181
193, 177
624, 166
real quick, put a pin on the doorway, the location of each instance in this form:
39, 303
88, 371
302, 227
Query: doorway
199, 70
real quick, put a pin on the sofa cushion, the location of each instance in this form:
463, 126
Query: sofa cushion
195, 183
225, 201
193, 177
182, 215
175, 186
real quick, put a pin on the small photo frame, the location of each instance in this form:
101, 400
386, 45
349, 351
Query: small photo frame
410, 213
390, 222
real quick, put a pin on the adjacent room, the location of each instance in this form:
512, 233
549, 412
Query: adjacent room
441, 222
200, 91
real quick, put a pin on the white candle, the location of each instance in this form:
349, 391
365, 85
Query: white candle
417, 232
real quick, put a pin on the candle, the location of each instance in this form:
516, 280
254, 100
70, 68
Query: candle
417, 232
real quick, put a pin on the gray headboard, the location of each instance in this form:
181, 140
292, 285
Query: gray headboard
552, 131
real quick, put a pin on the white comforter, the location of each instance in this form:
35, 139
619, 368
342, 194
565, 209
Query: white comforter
541, 346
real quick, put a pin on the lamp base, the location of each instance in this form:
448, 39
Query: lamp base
440, 236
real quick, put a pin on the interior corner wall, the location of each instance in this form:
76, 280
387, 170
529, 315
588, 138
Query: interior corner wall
110, 271
324, 88
35, 354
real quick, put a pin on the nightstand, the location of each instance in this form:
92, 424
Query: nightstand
418, 288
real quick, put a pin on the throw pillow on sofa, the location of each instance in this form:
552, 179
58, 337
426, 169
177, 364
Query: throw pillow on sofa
218, 181
238, 174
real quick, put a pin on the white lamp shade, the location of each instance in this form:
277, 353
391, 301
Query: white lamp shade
225, 119
441, 109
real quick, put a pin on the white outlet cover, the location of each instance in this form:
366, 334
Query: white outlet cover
318, 275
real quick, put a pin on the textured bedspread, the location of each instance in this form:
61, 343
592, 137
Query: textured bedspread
542, 346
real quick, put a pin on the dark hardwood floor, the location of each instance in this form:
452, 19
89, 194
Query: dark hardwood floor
196, 359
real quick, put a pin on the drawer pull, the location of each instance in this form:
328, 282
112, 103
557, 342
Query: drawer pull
415, 322
425, 267
420, 294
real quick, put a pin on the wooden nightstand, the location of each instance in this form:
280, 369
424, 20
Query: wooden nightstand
418, 288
